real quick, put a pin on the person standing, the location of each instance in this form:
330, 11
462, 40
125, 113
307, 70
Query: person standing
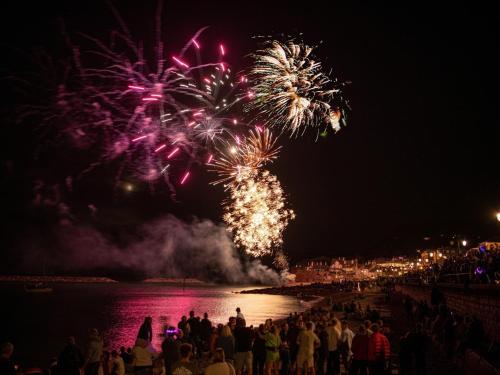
94, 353
307, 341
226, 342
379, 352
284, 350
359, 348
273, 342
259, 350
205, 331
146, 329
419, 342
239, 314
243, 337
184, 326
322, 350
333, 364
346, 337
71, 359
171, 350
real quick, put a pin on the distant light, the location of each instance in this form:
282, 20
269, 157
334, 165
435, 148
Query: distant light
129, 187
431, 255
464, 243
498, 216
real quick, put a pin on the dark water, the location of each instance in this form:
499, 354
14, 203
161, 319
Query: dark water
38, 324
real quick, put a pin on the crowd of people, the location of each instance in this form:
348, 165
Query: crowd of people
477, 266
452, 334
314, 342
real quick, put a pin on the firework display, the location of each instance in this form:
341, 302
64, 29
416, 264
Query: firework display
256, 212
237, 157
161, 118
290, 89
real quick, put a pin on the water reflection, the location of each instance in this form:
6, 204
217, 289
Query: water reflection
168, 304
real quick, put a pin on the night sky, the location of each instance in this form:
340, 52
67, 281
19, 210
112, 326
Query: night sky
418, 158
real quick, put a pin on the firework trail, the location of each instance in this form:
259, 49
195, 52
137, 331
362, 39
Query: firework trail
290, 90
238, 156
154, 113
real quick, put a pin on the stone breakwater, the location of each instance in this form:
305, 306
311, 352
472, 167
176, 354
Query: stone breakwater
54, 279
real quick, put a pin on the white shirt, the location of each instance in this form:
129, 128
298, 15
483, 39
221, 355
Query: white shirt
347, 335
240, 315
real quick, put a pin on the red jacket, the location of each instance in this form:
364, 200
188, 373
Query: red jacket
378, 347
359, 347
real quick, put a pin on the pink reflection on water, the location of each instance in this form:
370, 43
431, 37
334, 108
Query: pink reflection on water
166, 304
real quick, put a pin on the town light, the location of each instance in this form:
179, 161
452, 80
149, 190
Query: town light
464, 243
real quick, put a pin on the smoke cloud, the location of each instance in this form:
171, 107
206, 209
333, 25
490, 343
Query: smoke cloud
167, 247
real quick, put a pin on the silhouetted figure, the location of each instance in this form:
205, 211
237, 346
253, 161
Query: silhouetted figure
70, 359
419, 342
405, 355
146, 330
6, 365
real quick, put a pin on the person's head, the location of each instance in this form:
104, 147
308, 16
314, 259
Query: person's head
122, 349
367, 324
191, 314
6, 350
345, 325
226, 331
205, 315
375, 327
219, 355
309, 326
380, 323
362, 329
273, 329
284, 327
261, 328
148, 320
184, 318
238, 310
186, 350
114, 354
71, 340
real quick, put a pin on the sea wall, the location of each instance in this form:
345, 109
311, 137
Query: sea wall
480, 301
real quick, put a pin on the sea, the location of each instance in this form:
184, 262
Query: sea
39, 323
